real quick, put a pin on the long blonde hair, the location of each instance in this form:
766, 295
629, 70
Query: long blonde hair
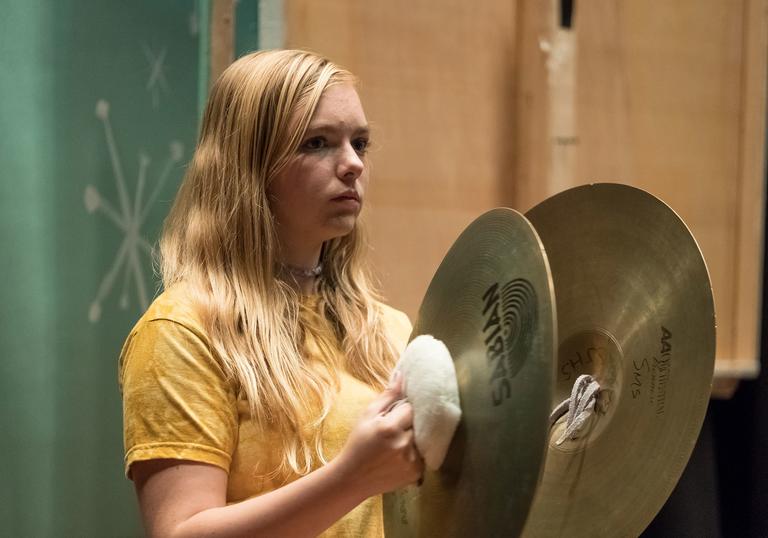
220, 240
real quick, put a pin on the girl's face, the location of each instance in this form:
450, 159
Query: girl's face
319, 194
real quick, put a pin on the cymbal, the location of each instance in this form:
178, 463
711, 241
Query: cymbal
491, 303
635, 310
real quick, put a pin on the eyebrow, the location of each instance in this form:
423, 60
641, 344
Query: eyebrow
333, 127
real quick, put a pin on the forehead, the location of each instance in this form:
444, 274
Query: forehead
339, 105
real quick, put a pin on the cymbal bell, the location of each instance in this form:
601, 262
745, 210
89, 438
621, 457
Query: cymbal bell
491, 303
635, 310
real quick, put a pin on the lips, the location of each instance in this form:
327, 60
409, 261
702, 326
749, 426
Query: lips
349, 195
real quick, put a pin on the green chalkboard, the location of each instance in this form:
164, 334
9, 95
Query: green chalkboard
99, 111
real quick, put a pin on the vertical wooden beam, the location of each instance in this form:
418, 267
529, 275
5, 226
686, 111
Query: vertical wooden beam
222, 37
748, 251
562, 83
535, 26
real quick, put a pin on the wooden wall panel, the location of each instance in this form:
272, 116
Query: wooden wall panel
670, 97
437, 86
476, 105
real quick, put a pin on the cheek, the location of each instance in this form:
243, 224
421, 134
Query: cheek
364, 179
296, 194
276, 195
286, 185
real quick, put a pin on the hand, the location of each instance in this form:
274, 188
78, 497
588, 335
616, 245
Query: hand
380, 454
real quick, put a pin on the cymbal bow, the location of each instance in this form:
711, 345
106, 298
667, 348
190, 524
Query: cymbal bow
491, 303
635, 311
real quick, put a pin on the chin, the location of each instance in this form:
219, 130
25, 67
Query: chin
340, 227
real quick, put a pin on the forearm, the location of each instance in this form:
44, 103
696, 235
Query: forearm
181, 499
305, 507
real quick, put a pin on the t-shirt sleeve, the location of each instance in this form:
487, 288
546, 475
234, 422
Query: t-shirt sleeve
177, 402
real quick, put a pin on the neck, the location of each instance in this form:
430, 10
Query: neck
300, 263
305, 285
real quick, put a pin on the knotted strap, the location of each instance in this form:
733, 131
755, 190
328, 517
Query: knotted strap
579, 407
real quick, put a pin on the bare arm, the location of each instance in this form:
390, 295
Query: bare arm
181, 498
187, 499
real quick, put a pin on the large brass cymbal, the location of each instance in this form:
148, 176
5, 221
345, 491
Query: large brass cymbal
491, 303
635, 310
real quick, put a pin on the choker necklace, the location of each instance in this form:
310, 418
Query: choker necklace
301, 272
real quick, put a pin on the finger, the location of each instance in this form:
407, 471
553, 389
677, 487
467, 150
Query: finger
394, 404
395, 374
402, 415
388, 396
397, 378
419, 467
396, 381
415, 454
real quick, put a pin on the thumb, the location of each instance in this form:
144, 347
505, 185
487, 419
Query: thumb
389, 395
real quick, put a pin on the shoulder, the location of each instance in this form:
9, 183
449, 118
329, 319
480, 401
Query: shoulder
397, 325
173, 308
174, 304
170, 329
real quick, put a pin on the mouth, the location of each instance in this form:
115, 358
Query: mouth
349, 195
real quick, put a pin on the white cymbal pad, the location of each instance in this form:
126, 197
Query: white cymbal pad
429, 384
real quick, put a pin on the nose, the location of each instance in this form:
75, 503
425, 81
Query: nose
350, 165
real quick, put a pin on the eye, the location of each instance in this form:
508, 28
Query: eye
313, 144
361, 145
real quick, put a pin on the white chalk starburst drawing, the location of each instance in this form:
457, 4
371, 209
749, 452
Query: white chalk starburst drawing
129, 219
156, 83
193, 22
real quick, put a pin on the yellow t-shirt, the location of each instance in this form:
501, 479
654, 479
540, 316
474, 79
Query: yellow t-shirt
177, 404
